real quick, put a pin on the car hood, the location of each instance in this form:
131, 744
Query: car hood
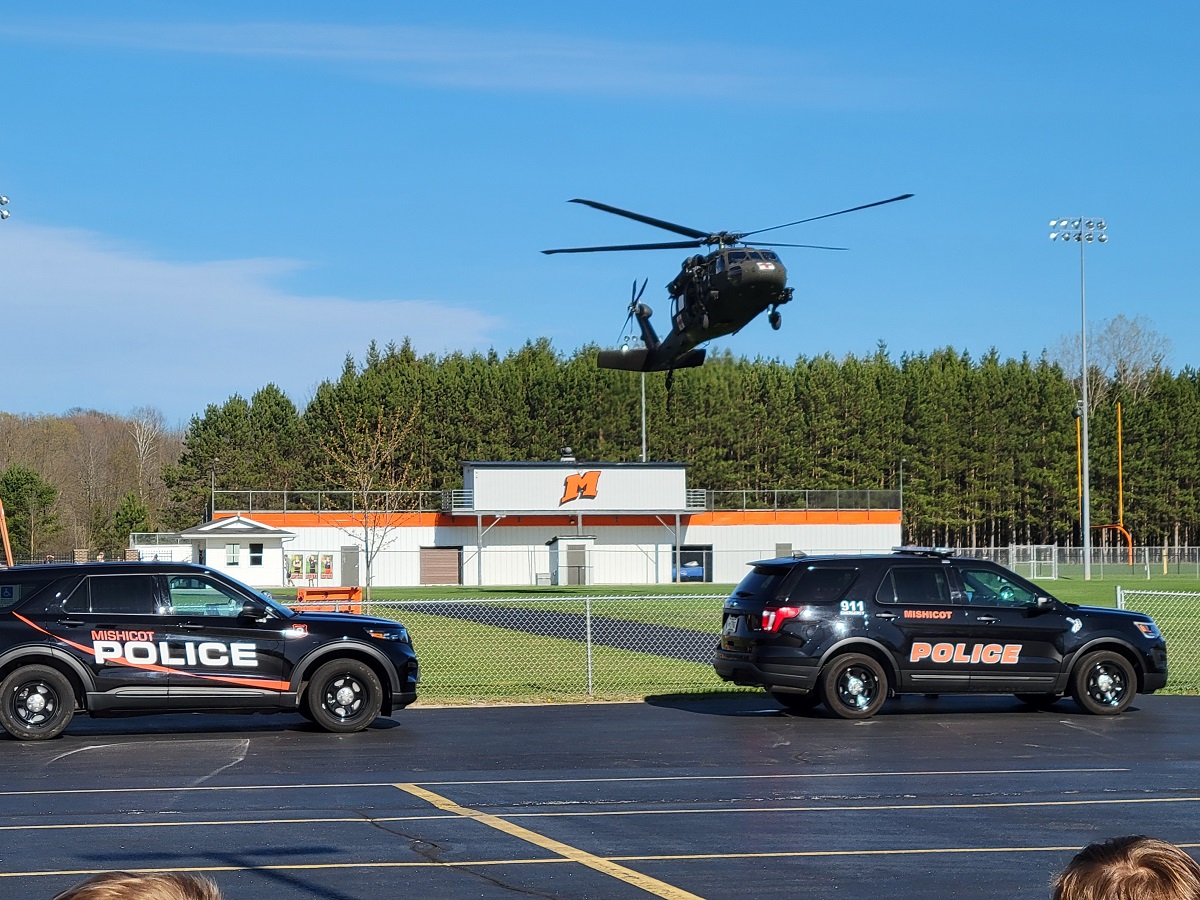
335, 618
1109, 612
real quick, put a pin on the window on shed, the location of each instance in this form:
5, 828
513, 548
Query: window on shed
231, 554
256, 554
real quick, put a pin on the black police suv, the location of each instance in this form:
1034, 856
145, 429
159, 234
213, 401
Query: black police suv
851, 631
122, 638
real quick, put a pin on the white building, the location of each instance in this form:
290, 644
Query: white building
528, 523
243, 548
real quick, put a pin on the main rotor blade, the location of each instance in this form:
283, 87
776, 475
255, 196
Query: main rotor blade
674, 245
638, 217
827, 215
805, 246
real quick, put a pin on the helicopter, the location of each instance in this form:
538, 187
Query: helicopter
715, 293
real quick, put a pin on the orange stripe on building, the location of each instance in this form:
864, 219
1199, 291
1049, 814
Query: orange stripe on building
312, 519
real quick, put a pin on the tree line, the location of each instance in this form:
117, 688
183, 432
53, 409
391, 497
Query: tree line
987, 447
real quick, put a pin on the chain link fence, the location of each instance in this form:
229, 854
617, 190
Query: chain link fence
1177, 615
1049, 561
560, 648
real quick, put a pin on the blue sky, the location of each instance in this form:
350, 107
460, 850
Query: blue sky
207, 197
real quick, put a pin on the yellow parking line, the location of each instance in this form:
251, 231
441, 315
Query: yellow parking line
683, 857
781, 776
602, 813
599, 864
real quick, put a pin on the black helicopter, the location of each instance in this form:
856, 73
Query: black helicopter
714, 294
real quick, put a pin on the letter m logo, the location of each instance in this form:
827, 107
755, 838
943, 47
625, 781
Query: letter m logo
581, 486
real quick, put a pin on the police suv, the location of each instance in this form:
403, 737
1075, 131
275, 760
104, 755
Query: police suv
122, 638
851, 631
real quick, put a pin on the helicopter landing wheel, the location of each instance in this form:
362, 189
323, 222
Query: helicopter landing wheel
775, 319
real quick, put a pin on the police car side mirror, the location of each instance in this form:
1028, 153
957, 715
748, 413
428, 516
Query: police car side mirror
254, 609
1044, 604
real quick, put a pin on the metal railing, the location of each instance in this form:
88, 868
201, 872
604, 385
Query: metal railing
250, 502
846, 498
463, 501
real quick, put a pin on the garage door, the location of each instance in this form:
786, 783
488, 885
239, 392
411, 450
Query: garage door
441, 565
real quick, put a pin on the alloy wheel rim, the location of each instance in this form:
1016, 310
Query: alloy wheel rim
345, 696
857, 687
1106, 685
35, 704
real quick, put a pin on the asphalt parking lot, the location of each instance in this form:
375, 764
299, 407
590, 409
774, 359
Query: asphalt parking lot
683, 796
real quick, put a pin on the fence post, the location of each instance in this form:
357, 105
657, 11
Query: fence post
588, 641
1120, 598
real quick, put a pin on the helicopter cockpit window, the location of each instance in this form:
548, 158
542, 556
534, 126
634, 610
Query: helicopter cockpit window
720, 265
737, 256
770, 255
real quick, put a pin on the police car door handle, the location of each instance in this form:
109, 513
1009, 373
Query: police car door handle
71, 622
192, 626
886, 616
987, 619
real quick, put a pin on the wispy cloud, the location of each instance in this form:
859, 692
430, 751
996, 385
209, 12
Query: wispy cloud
501, 60
96, 324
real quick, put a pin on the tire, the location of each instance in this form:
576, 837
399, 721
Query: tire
344, 696
797, 702
36, 703
1039, 701
853, 686
1104, 683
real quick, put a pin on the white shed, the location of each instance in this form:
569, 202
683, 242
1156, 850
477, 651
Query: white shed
242, 548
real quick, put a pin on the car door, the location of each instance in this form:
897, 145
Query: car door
920, 616
218, 657
110, 624
1022, 639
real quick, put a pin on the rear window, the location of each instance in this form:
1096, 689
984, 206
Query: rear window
762, 582
822, 585
14, 590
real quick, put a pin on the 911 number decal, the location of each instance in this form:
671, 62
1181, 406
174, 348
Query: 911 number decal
852, 607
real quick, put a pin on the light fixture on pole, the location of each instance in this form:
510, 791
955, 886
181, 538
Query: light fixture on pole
1082, 231
4, 213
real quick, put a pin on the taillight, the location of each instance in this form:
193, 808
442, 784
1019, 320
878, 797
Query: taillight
773, 618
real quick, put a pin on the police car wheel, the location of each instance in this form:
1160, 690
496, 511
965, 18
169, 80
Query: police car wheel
1104, 683
344, 695
854, 686
38, 703
797, 702
1038, 701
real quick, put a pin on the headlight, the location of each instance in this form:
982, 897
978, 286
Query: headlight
1149, 629
396, 633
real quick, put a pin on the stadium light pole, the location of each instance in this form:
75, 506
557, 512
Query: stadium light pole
1082, 231
4, 213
